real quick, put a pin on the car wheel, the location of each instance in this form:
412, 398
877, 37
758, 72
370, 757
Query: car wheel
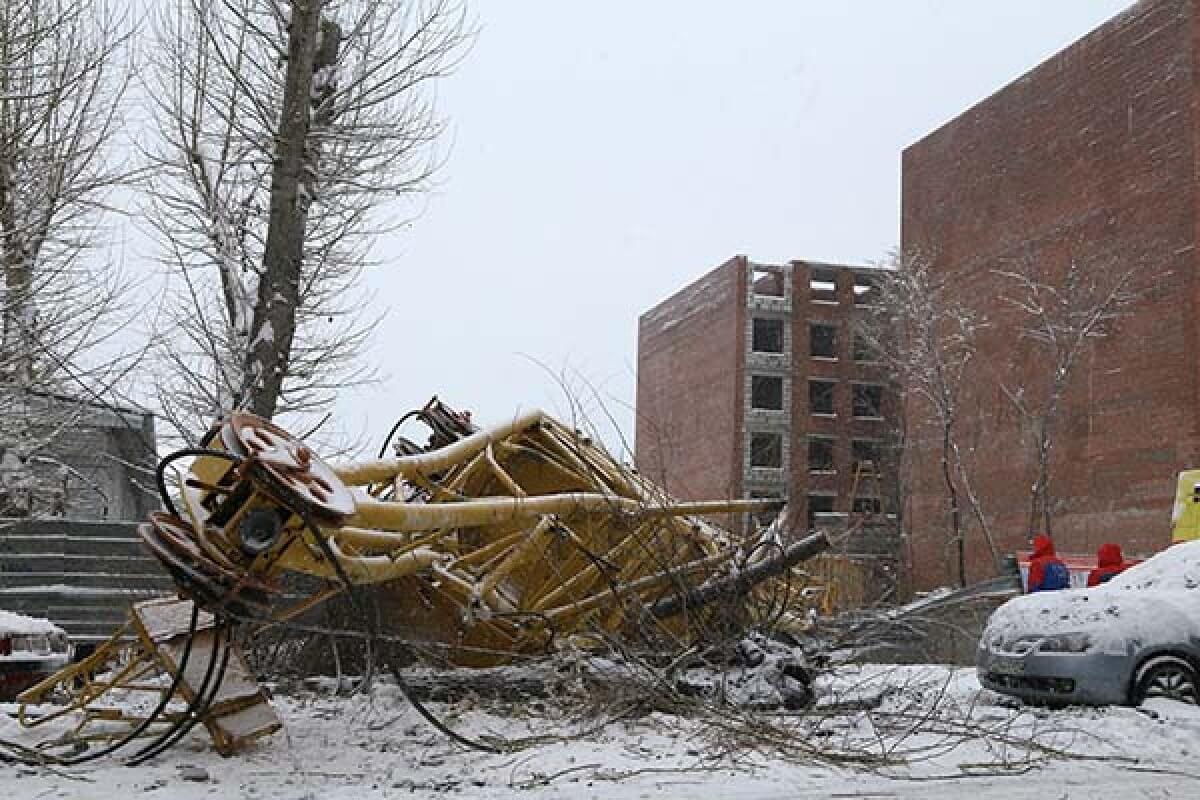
1167, 676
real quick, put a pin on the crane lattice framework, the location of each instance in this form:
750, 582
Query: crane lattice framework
513, 538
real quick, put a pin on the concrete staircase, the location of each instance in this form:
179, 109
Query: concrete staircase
80, 575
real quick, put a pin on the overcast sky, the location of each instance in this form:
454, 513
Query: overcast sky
605, 154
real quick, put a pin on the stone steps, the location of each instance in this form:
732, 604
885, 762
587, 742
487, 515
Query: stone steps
82, 576
87, 580
49, 563
68, 527
20, 544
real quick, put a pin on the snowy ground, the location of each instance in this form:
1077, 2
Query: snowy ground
945, 737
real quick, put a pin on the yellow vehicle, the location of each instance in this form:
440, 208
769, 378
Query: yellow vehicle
1185, 517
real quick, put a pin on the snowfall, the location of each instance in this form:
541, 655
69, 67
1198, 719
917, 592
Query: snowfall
916, 731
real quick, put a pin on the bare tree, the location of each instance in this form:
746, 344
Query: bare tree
926, 337
62, 81
60, 89
1061, 317
287, 132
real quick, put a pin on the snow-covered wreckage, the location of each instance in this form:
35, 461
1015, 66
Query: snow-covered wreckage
483, 545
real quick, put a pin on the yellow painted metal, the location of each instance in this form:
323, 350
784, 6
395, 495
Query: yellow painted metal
80, 681
497, 510
377, 471
518, 556
510, 539
139, 660
502, 475
640, 586
1185, 517
515, 535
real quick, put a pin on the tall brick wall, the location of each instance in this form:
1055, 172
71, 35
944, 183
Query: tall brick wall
1089, 157
689, 386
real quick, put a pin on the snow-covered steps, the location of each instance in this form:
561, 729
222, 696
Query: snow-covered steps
81, 575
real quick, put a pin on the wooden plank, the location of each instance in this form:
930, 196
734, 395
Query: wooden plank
239, 712
168, 617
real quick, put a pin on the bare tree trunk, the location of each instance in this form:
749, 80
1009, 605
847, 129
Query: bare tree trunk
274, 324
60, 88
741, 582
955, 511
16, 346
976, 507
284, 126
1039, 500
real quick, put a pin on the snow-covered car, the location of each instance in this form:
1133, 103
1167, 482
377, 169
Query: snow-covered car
1135, 637
31, 649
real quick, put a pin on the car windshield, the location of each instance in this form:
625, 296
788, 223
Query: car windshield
1177, 567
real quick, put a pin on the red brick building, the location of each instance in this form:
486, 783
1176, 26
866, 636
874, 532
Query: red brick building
1091, 157
751, 383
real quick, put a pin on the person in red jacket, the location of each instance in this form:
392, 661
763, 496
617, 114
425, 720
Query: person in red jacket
1046, 569
1110, 561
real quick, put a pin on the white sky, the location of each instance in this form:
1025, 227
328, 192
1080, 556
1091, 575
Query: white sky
606, 154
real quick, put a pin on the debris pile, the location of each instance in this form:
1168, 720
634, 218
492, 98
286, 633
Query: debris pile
495, 544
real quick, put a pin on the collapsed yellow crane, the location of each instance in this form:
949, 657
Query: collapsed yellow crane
512, 537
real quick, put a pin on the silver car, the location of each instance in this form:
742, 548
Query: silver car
1135, 637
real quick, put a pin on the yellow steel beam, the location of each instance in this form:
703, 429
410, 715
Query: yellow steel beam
495, 510
383, 469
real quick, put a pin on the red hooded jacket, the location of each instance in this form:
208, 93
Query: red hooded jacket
1043, 557
1109, 561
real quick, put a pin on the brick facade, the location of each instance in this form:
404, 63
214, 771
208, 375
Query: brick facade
689, 387
1091, 157
704, 433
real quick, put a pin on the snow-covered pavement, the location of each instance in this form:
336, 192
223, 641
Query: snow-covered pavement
946, 738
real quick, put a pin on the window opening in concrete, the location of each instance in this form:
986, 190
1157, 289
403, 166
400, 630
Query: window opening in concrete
822, 284
867, 400
822, 340
818, 504
865, 454
863, 352
820, 397
766, 450
766, 392
820, 454
767, 335
766, 282
866, 291
867, 505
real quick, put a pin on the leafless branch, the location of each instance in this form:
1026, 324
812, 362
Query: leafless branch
288, 133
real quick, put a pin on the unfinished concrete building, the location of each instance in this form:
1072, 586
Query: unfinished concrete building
752, 383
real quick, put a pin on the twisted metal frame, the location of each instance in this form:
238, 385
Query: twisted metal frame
514, 537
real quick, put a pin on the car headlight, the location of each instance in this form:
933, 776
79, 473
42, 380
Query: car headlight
1066, 643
